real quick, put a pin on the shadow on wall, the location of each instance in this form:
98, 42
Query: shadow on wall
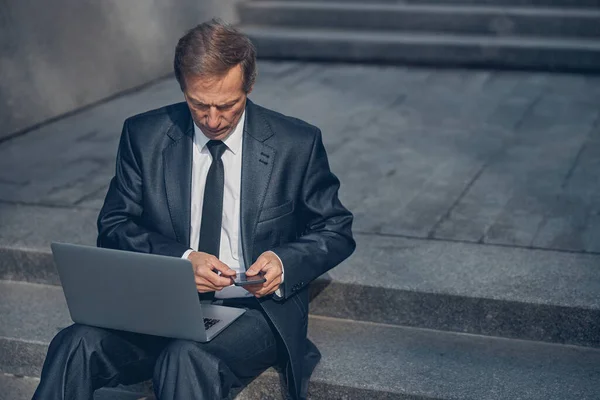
54, 59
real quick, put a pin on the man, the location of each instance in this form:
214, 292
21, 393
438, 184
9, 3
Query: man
231, 186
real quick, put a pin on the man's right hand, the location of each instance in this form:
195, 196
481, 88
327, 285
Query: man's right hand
205, 271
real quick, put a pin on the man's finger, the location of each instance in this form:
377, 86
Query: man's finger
270, 274
213, 278
258, 266
204, 289
222, 267
201, 282
268, 289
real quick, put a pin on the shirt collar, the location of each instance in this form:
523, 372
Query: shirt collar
233, 141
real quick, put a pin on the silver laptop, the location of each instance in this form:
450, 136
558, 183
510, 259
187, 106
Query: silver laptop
137, 292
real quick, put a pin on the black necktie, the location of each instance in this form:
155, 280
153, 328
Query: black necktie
212, 206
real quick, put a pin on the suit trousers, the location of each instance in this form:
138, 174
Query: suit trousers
82, 359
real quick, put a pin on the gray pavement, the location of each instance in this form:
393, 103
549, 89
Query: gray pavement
502, 158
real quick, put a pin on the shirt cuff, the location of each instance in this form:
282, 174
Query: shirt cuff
187, 253
279, 292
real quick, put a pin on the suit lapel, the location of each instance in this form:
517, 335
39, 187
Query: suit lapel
177, 158
257, 166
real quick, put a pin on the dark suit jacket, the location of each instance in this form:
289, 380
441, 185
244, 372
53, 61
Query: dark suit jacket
289, 204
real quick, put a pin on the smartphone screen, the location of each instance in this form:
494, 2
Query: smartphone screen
241, 279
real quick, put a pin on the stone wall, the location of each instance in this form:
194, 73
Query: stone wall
59, 56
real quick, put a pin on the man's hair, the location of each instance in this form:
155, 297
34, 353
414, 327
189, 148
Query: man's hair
211, 49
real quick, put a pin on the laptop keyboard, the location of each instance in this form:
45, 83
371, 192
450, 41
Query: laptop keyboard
208, 322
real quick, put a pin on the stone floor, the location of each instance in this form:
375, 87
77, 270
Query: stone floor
491, 157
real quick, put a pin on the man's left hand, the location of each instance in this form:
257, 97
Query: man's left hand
268, 263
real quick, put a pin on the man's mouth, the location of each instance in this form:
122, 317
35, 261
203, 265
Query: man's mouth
215, 131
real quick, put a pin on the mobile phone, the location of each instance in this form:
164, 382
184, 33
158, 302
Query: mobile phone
241, 279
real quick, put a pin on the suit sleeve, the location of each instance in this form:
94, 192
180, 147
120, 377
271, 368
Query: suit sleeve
120, 223
327, 239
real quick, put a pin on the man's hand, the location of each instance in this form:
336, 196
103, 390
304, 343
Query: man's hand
269, 263
205, 270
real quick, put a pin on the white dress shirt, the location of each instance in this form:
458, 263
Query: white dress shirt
230, 250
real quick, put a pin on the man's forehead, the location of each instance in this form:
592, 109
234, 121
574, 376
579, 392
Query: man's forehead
214, 90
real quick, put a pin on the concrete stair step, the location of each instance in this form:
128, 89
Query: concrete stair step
17, 387
400, 17
460, 287
526, 3
360, 359
452, 286
426, 49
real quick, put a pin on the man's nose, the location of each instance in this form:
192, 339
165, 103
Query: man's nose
213, 120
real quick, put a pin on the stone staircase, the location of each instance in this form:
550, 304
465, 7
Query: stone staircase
406, 319
473, 307
558, 35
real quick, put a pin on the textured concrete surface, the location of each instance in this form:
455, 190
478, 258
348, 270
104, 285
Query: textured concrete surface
442, 365
423, 17
509, 292
511, 160
426, 48
265, 387
556, 3
516, 34
60, 58
501, 291
372, 359
16, 387
32, 312
474, 270
396, 263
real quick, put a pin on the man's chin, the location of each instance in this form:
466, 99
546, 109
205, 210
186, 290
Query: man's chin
215, 135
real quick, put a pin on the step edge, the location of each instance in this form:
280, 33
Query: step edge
421, 38
391, 327
543, 346
327, 282
456, 334
491, 10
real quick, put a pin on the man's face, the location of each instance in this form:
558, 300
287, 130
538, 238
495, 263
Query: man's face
216, 104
